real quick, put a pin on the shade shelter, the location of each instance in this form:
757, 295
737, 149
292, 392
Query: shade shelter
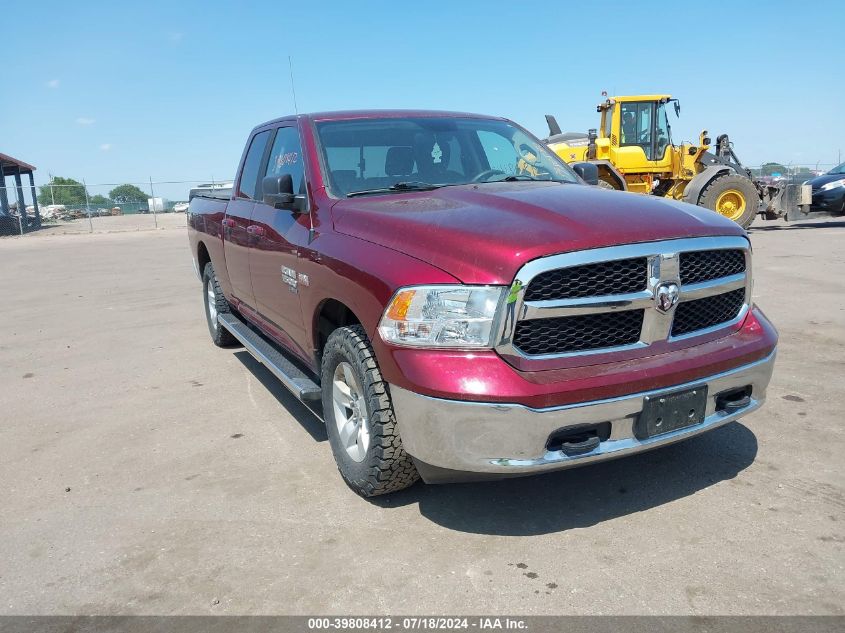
14, 170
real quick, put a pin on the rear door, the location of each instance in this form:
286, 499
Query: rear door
236, 238
281, 233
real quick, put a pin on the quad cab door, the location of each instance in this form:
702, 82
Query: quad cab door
279, 236
236, 238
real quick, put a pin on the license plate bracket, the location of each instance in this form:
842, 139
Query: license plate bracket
672, 411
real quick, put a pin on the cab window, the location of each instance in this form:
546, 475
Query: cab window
637, 120
664, 138
608, 120
248, 184
286, 158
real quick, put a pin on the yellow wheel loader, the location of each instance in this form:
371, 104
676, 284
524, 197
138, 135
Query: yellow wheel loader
633, 151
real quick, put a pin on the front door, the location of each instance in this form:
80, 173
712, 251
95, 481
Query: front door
274, 257
636, 148
236, 238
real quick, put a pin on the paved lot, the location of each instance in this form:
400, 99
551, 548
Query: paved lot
143, 470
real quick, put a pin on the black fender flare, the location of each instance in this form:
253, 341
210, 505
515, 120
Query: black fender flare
692, 192
617, 175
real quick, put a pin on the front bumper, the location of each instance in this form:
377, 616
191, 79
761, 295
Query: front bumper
454, 440
829, 200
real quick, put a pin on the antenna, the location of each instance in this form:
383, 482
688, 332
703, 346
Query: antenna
292, 87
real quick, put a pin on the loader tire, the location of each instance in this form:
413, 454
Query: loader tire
603, 184
732, 196
215, 303
359, 417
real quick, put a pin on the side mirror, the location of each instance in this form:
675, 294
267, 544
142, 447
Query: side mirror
278, 193
588, 171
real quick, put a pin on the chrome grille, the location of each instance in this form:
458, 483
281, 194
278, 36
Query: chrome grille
707, 312
589, 280
699, 266
609, 299
579, 333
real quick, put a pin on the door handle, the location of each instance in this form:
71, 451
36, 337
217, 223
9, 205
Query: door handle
229, 223
254, 229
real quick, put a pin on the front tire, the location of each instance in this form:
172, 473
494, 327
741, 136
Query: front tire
360, 422
732, 196
215, 303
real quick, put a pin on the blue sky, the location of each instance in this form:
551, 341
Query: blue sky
125, 91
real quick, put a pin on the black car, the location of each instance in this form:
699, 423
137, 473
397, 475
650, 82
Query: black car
829, 190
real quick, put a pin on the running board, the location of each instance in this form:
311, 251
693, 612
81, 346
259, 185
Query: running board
296, 380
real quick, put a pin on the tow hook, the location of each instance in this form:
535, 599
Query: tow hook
578, 440
734, 400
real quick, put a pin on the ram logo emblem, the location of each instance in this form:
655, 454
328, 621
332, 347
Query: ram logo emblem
666, 296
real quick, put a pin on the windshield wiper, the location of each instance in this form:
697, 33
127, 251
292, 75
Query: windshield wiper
523, 177
413, 185
513, 178
410, 185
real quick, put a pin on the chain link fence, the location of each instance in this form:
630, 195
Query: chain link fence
71, 206
791, 173
63, 205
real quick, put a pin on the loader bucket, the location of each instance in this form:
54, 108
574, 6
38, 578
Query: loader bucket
791, 201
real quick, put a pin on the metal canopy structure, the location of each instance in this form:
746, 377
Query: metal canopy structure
12, 167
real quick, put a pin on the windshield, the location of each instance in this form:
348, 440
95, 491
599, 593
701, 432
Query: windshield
401, 154
839, 169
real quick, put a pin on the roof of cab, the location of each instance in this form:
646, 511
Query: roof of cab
340, 115
626, 98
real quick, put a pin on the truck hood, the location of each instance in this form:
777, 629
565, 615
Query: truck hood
483, 234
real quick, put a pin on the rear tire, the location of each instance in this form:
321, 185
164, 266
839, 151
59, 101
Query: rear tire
215, 303
359, 417
603, 184
732, 196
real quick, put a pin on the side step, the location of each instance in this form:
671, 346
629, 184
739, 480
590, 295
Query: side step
289, 374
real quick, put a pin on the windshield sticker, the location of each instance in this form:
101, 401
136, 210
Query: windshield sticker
289, 158
436, 153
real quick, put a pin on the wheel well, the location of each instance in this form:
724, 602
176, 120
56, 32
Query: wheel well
700, 182
202, 257
609, 176
332, 315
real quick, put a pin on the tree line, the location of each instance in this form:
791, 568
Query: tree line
72, 193
771, 169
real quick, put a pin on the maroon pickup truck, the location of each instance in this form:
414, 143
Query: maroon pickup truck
457, 303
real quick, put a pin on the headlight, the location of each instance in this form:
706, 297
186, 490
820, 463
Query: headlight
833, 185
441, 316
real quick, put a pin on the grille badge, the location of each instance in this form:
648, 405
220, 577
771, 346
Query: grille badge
666, 296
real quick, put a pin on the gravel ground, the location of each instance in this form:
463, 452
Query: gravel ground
145, 471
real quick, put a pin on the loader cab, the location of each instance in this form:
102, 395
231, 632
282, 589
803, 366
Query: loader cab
639, 132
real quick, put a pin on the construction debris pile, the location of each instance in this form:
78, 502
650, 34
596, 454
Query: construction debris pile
59, 212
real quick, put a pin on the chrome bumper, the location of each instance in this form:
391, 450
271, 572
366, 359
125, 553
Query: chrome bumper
510, 439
